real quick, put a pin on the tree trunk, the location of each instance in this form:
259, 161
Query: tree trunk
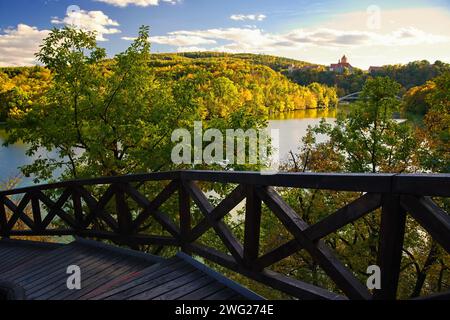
422, 275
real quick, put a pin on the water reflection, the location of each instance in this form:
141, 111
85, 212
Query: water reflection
305, 114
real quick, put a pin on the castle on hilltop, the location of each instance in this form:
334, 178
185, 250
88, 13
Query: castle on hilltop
341, 65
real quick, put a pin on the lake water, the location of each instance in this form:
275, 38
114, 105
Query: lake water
13, 157
292, 127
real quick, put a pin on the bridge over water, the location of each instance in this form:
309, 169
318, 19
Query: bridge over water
355, 96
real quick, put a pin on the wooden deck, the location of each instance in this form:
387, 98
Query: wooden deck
39, 270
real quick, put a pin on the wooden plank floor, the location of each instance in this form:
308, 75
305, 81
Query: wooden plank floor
110, 273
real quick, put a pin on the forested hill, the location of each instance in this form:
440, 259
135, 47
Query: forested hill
278, 64
409, 75
250, 80
221, 83
224, 81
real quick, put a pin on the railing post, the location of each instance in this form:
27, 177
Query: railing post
252, 226
184, 203
124, 217
3, 221
392, 232
77, 208
36, 209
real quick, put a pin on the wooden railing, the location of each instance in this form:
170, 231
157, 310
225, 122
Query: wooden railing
89, 216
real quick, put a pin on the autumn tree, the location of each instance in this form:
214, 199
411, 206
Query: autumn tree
415, 99
103, 117
20, 88
434, 151
366, 139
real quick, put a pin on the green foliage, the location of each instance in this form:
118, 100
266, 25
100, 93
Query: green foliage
255, 78
102, 117
413, 74
278, 64
368, 138
268, 90
326, 96
116, 116
415, 99
434, 151
20, 88
410, 75
344, 82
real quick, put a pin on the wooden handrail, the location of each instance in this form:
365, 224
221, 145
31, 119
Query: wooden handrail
421, 184
77, 211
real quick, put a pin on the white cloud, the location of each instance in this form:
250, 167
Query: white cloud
256, 40
333, 37
176, 40
90, 21
181, 40
243, 38
405, 35
139, 3
18, 46
244, 17
191, 49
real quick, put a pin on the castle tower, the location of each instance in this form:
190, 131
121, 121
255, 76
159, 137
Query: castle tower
344, 59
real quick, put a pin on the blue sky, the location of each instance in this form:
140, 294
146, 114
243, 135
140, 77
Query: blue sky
369, 32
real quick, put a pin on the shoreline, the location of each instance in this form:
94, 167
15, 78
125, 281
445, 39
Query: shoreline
306, 109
